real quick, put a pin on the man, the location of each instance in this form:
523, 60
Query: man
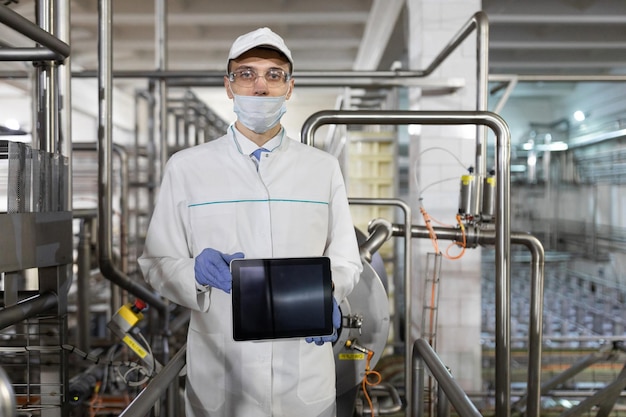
217, 202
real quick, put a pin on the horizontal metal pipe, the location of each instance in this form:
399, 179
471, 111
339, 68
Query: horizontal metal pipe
558, 77
146, 399
304, 79
219, 75
310, 78
34, 32
398, 117
27, 308
27, 54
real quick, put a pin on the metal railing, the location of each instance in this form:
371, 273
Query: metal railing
424, 353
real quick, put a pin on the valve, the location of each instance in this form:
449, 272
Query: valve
123, 324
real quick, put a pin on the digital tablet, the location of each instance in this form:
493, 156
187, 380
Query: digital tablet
281, 298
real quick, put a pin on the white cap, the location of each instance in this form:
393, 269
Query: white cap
262, 37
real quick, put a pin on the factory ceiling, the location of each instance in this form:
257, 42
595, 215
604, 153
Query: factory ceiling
575, 37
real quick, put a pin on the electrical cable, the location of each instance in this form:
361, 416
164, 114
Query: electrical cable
433, 235
462, 244
429, 227
133, 366
365, 382
419, 157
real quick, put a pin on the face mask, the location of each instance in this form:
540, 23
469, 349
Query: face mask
259, 113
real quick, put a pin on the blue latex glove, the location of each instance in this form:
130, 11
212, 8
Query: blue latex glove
212, 268
320, 340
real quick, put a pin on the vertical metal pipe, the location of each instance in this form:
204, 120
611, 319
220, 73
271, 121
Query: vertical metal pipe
48, 72
109, 270
161, 65
503, 269
152, 148
105, 54
443, 405
162, 122
482, 83
83, 263
65, 101
535, 326
118, 296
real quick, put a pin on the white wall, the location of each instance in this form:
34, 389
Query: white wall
434, 151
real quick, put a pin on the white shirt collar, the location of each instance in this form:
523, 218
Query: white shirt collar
246, 146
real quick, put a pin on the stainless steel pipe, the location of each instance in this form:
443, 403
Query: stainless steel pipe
422, 351
107, 266
502, 223
535, 327
28, 308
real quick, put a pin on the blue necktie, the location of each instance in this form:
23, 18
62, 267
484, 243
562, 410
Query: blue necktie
256, 156
257, 153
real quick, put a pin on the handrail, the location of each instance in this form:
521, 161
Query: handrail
502, 222
422, 351
604, 399
56, 50
149, 396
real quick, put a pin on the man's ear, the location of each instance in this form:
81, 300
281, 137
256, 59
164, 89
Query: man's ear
229, 92
290, 89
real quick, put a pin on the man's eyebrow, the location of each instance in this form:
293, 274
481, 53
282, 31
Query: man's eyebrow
244, 67
247, 67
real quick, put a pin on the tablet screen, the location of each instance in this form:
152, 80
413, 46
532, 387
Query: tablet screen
281, 297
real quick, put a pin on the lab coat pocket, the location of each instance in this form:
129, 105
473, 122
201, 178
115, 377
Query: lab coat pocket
205, 370
317, 373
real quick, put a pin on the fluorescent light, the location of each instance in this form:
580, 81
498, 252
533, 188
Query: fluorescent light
12, 124
579, 115
554, 146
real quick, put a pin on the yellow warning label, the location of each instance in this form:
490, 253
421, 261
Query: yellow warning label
351, 356
132, 343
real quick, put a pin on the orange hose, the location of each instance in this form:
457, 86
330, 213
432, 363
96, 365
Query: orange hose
367, 382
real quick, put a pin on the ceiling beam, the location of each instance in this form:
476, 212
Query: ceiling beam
228, 19
380, 24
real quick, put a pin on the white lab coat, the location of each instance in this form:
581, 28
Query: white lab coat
295, 205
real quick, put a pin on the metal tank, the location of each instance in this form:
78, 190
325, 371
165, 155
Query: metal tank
365, 327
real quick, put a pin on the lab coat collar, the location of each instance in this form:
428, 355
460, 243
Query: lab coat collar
246, 146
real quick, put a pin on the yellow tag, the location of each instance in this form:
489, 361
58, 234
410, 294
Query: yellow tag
351, 356
127, 314
466, 179
135, 346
